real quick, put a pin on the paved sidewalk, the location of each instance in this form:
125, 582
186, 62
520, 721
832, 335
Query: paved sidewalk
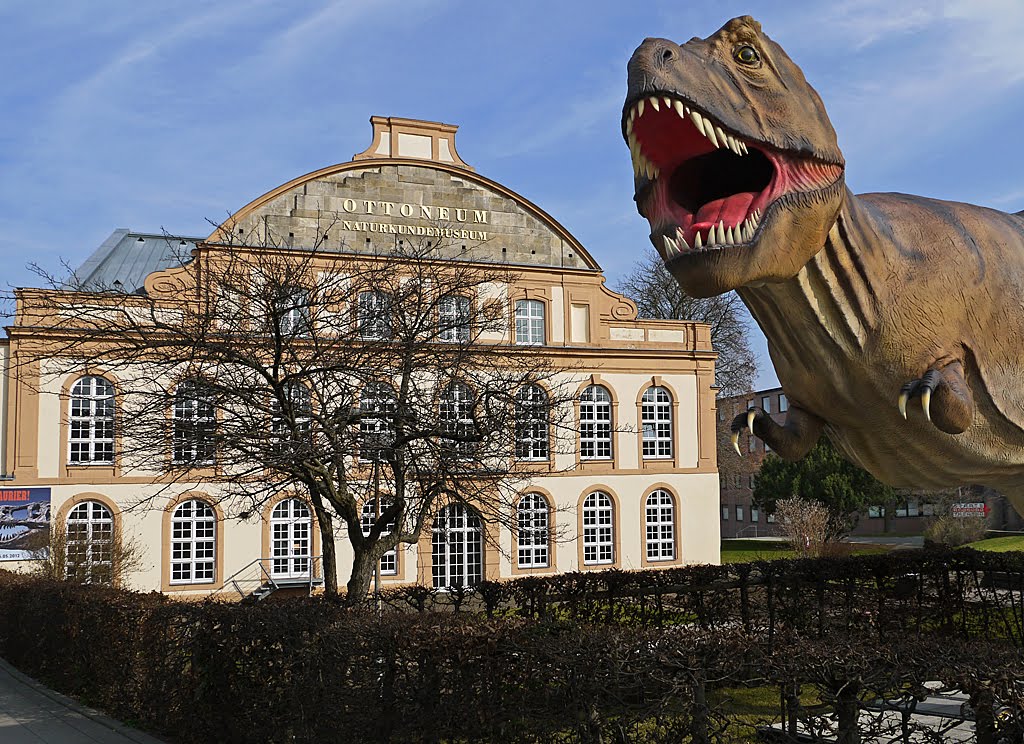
31, 714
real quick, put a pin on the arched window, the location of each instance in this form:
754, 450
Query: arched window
378, 405
91, 420
374, 315
660, 526
292, 308
595, 423
453, 319
388, 561
656, 419
297, 407
532, 534
193, 543
194, 424
458, 554
290, 540
598, 529
530, 322
456, 416
89, 544
531, 420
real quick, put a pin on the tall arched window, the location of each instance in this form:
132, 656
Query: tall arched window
194, 424
453, 319
660, 526
456, 416
531, 421
656, 419
290, 540
374, 315
458, 550
595, 423
193, 543
91, 421
388, 561
598, 529
530, 322
532, 534
89, 544
297, 407
378, 405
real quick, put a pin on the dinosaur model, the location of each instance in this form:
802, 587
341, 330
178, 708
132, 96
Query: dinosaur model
895, 322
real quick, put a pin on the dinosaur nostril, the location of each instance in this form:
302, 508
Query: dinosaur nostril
667, 55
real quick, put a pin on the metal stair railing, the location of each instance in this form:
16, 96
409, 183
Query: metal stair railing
257, 578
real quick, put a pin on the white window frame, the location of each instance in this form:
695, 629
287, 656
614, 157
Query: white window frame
453, 313
725, 512
373, 314
457, 555
532, 535
193, 545
783, 403
739, 512
455, 411
530, 323
598, 529
294, 311
596, 423
378, 405
301, 401
89, 543
531, 424
755, 514
660, 525
291, 540
766, 403
656, 422
91, 421
367, 518
194, 425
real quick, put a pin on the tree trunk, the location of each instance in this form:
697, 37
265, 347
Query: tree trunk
699, 719
330, 557
848, 713
359, 580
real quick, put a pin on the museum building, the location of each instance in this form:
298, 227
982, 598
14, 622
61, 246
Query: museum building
640, 488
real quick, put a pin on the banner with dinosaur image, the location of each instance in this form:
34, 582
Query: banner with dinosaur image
24, 523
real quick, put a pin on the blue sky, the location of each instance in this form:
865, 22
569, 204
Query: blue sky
165, 115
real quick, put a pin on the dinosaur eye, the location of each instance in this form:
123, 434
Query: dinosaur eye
747, 55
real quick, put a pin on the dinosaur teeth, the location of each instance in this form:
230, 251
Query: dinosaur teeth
698, 121
697, 242
680, 240
654, 103
680, 109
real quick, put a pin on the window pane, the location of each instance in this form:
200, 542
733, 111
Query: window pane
529, 322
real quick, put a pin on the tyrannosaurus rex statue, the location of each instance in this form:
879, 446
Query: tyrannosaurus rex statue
867, 301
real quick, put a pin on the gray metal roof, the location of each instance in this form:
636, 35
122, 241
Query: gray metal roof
126, 258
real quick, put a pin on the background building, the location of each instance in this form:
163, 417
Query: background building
641, 492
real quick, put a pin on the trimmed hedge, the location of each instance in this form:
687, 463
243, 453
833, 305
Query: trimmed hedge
572, 658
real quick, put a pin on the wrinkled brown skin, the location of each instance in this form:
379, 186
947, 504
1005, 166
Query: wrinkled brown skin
859, 295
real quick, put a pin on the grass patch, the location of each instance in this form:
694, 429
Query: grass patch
999, 544
743, 551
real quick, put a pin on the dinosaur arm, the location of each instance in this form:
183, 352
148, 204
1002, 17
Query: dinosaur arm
790, 440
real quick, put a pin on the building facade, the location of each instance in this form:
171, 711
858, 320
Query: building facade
638, 489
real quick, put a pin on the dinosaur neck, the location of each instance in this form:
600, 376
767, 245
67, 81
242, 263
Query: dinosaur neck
829, 308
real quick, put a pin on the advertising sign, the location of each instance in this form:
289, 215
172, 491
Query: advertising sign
24, 523
972, 509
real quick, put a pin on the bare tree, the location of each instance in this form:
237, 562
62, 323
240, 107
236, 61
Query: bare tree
805, 523
658, 295
381, 385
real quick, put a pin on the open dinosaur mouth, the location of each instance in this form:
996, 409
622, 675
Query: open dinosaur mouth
702, 187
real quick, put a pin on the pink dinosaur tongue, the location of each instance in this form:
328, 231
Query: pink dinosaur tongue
732, 210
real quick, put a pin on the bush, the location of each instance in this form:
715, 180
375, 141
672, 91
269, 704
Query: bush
954, 531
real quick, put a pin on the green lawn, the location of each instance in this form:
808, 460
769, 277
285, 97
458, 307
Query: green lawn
741, 551
999, 544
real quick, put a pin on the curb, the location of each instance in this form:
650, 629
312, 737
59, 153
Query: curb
73, 705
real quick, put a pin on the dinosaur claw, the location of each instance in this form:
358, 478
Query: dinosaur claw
736, 442
902, 403
751, 415
926, 403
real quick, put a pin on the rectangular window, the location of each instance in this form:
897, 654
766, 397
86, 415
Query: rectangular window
529, 322
453, 319
751, 444
374, 316
739, 513
750, 482
769, 518
783, 403
875, 512
755, 514
766, 404
736, 481
725, 513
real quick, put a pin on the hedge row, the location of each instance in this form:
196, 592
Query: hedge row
311, 670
